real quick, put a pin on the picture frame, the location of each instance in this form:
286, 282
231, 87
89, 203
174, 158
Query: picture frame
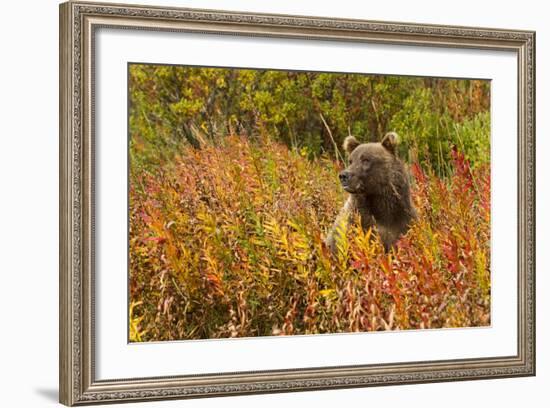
79, 24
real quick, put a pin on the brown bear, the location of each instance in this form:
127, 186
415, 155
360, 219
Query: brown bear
379, 190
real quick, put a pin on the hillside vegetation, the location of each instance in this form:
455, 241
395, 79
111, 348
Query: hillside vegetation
230, 204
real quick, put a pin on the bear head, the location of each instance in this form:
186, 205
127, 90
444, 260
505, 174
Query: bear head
370, 165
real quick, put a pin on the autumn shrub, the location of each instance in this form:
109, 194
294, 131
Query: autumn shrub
227, 240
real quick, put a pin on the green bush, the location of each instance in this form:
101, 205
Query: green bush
308, 111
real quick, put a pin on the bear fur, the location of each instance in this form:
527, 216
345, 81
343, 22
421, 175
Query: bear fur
379, 190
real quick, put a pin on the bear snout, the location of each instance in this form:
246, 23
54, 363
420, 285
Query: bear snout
344, 177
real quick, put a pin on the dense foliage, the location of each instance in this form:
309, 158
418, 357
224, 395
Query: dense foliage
233, 187
228, 241
309, 111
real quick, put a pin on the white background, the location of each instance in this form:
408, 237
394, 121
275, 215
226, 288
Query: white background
28, 210
117, 359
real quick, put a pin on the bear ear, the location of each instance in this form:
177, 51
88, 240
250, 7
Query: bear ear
350, 143
390, 142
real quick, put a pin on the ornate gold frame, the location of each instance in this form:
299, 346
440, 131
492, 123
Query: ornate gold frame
78, 22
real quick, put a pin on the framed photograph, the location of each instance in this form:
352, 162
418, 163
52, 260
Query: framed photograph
256, 203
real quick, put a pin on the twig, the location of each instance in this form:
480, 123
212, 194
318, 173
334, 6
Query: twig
337, 151
375, 109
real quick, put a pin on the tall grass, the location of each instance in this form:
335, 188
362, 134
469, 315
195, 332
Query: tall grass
227, 241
